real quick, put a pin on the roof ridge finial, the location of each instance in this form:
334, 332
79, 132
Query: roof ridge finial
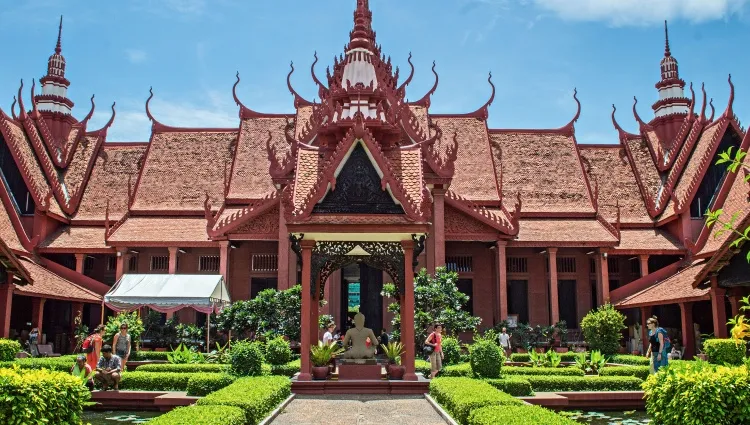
58, 48
667, 52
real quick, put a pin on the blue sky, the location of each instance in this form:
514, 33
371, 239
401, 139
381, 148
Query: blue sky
537, 50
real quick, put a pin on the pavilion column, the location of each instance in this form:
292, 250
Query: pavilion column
502, 280
688, 335
718, 309
224, 261
315, 312
173, 259
37, 314
283, 252
80, 260
438, 226
645, 314
734, 302
307, 247
6, 303
554, 301
407, 312
644, 264
603, 290
123, 258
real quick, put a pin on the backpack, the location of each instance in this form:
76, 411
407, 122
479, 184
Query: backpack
88, 345
667, 340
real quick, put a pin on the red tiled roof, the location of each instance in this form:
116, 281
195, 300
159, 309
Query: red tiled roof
565, 232
66, 238
544, 168
114, 165
610, 169
250, 177
73, 176
701, 155
676, 288
7, 231
181, 167
647, 240
645, 167
460, 224
407, 167
303, 116
310, 163
161, 230
50, 285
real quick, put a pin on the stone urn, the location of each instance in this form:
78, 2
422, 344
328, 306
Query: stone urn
561, 349
320, 373
396, 372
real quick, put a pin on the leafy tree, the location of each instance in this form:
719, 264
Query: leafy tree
135, 327
436, 299
602, 329
271, 313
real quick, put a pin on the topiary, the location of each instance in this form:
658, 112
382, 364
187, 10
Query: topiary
725, 351
8, 349
486, 359
278, 351
247, 359
451, 351
602, 329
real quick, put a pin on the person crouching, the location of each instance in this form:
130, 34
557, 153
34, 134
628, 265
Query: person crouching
108, 369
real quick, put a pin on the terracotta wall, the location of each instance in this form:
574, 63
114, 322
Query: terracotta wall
240, 265
482, 276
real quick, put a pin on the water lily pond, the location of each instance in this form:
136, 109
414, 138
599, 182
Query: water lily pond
118, 418
628, 417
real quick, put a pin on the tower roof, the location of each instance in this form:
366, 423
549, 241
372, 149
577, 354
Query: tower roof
362, 36
670, 75
56, 63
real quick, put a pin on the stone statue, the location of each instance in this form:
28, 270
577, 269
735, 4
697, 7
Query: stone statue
358, 337
637, 345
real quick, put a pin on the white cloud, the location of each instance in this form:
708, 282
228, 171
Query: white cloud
641, 12
136, 55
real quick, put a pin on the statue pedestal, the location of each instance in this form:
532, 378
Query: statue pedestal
357, 370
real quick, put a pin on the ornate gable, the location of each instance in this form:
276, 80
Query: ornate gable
459, 226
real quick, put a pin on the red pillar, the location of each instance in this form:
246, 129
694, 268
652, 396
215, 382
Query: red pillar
603, 290
224, 261
645, 314
553, 299
283, 252
688, 335
644, 264
315, 311
80, 259
37, 314
172, 259
307, 247
122, 262
438, 226
734, 301
718, 309
6, 303
502, 274
407, 313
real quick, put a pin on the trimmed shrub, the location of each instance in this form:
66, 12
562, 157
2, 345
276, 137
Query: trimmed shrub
517, 415
602, 329
486, 359
526, 358
247, 358
140, 356
278, 351
8, 349
725, 351
422, 366
640, 372
201, 384
698, 393
202, 415
629, 359
451, 351
579, 383
184, 368
256, 396
156, 381
457, 370
31, 397
544, 371
57, 364
288, 369
460, 396
515, 386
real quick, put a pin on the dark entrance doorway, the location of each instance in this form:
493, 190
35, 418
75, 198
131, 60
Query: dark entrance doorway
360, 287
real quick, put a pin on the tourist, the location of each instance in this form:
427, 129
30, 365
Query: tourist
83, 371
122, 344
328, 336
435, 340
658, 344
92, 346
34, 342
504, 340
108, 369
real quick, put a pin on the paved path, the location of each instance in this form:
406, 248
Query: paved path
359, 410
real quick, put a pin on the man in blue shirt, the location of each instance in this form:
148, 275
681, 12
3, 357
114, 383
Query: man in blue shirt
108, 369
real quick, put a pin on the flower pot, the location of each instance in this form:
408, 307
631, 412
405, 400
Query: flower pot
561, 349
521, 350
161, 350
540, 350
320, 373
396, 372
622, 350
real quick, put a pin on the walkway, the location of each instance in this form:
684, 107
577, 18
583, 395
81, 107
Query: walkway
359, 410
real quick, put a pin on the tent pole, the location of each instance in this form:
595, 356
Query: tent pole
101, 322
208, 332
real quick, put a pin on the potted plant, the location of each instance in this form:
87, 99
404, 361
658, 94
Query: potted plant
561, 336
393, 351
320, 356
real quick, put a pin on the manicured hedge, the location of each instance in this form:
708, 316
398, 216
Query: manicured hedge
725, 351
456, 370
515, 386
148, 355
8, 349
640, 372
525, 358
155, 381
486, 359
629, 359
459, 396
202, 415
578, 383
201, 384
543, 371
288, 369
183, 368
31, 397
423, 367
517, 415
256, 396
698, 393
58, 364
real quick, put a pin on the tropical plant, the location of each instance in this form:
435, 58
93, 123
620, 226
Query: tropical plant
321, 354
549, 359
184, 355
561, 331
393, 351
593, 363
219, 355
80, 332
602, 329
523, 336
271, 312
190, 334
135, 326
324, 320
740, 324
247, 359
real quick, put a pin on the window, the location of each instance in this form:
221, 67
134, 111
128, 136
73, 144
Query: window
133, 263
88, 264
517, 265
208, 263
111, 263
635, 266
592, 265
518, 299
466, 286
566, 265
159, 262
566, 302
258, 284
593, 294
614, 284
613, 265
460, 264
264, 262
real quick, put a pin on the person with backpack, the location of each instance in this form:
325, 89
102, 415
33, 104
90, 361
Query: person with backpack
659, 344
434, 347
92, 346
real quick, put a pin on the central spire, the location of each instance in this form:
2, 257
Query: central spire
362, 36
54, 97
671, 87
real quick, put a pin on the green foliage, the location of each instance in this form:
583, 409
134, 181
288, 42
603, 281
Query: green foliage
188, 333
324, 320
321, 354
451, 351
583, 383
602, 329
8, 349
526, 357
271, 312
184, 355
288, 369
202, 415
698, 393
460, 396
58, 364
541, 371
640, 372
149, 355
486, 359
393, 351
725, 351
515, 386
219, 355
135, 327
456, 370
436, 299
183, 368
156, 381
517, 415
734, 163
31, 397
256, 396
247, 358
549, 359
629, 359
203, 384
278, 351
